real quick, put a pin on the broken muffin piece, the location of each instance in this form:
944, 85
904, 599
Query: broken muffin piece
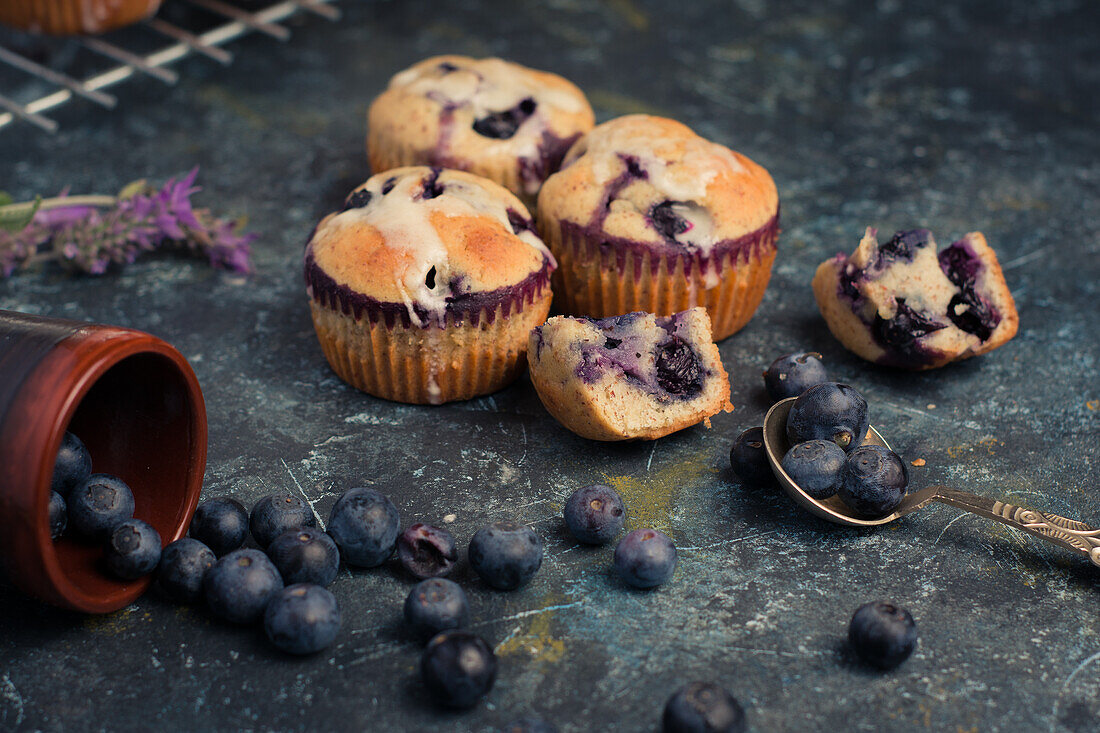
901, 304
632, 376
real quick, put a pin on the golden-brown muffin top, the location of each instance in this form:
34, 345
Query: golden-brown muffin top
651, 179
425, 237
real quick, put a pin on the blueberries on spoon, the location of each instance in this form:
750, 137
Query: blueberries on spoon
594, 514
221, 524
305, 555
302, 619
365, 525
645, 558
427, 551
183, 565
240, 585
703, 707
793, 374
59, 515
882, 634
278, 513
874, 481
749, 459
435, 605
829, 411
72, 467
133, 549
816, 466
505, 554
458, 668
99, 504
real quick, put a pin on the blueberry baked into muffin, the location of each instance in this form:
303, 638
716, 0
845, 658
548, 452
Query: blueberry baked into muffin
645, 215
901, 304
631, 376
425, 286
488, 116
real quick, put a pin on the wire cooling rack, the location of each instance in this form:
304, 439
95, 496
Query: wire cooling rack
202, 28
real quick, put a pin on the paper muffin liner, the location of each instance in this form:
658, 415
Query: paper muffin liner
601, 276
467, 355
72, 17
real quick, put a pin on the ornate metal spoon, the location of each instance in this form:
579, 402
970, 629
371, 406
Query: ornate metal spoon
1072, 535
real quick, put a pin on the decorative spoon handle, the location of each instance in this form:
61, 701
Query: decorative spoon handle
1068, 533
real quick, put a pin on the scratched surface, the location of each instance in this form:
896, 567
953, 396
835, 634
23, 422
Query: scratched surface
893, 115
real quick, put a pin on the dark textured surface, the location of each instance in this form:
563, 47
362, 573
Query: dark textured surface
896, 115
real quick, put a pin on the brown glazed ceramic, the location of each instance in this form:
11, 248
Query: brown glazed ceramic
136, 404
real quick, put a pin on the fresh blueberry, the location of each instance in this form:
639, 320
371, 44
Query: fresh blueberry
594, 514
221, 524
305, 555
365, 525
679, 371
183, 564
458, 668
59, 515
99, 504
435, 605
793, 374
72, 467
240, 584
874, 481
133, 549
816, 466
645, 558
529, 725
703, 707
506, 554
427, 551
503, 125
302, 619
882, 634
278, 513
829, 411
749, 460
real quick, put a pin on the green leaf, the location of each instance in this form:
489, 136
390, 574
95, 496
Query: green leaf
133, 188
16, 217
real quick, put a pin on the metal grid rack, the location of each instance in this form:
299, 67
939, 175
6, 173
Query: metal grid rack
232, 22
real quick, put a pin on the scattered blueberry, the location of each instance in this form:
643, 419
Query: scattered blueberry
829, 411
645, 558
183, 564
305, 555
506, 554
277, 513
302, 619
435, 605
503, 125
427, 551
703, 707
882, 634
529, 725
793, 374
595, 514
816, 466
679, 371
749, 459
364, 524
99, 504
240, 584
874, 481
458, 668
221, 524
59, 515
72, 467
133, 549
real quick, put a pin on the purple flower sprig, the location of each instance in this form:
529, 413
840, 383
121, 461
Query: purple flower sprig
89, 234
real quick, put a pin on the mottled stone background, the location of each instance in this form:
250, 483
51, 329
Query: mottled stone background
955, 116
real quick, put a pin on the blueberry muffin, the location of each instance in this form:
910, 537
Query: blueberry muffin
487, 116
632, 376
71, 17
645, 215
425, 286
901, 304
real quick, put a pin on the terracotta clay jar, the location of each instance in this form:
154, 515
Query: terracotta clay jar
135, 402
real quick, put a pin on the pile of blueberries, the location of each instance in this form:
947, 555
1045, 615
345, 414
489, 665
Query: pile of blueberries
826, 426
